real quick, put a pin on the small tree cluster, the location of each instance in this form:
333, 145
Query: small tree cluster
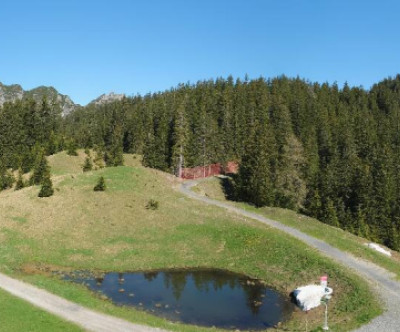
71, 148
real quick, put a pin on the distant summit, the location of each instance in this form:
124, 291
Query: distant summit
11, 93
107, 98
14, 92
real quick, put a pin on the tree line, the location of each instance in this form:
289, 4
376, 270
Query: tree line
329, 152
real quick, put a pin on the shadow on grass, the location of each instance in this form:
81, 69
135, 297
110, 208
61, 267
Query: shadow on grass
228, 186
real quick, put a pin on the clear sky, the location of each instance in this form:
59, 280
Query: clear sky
85, 48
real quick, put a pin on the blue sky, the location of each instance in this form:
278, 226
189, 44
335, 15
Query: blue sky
85, 48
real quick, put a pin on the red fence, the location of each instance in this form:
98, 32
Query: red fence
209, 170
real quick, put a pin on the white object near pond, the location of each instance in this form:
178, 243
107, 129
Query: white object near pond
310, 296
378, 248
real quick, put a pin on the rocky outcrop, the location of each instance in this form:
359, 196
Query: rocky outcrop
11, 93
107, 98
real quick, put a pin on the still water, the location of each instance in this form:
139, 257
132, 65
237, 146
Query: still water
201, 297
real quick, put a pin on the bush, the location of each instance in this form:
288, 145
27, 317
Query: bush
152, 205
20, 181
88, 165
101, 184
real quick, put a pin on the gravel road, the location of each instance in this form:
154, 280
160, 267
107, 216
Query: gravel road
381, 280
88, 319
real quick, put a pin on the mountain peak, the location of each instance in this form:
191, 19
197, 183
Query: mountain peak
108, 98
14, 92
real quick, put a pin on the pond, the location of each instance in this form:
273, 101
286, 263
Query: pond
200, 297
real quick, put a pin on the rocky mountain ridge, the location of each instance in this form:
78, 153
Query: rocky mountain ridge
14, 92
107, 98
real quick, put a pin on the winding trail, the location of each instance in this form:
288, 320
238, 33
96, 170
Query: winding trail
88, 319
380, 279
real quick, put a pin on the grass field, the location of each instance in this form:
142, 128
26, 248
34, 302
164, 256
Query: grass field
78, 228
17, 315
214, 188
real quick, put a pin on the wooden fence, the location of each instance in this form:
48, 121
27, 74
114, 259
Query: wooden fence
209, 170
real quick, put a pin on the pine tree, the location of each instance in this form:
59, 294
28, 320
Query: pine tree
179, 137
39, 169
99, 159
330, 216
114, 141
254, 183
88, 165
101, 184
290, 187
46, 189
71, 148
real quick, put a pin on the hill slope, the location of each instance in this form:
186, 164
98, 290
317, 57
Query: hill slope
78, 228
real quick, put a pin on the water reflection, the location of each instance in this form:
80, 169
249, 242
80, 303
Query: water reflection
201, 297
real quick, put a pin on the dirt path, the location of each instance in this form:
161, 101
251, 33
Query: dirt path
86, 318
381, 280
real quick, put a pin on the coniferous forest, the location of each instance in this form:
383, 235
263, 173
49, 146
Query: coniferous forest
327, 151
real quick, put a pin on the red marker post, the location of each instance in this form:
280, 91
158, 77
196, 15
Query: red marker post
324, 281
324, 284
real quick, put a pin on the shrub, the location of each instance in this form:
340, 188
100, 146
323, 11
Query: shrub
101, 184
88, 165
20, 181
152, 205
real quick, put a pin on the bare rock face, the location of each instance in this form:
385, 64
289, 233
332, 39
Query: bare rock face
11, 93
108, 98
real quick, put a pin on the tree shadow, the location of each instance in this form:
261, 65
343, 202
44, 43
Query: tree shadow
228, 186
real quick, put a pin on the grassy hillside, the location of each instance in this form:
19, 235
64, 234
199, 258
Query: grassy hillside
17, 315
216, 188
78, 228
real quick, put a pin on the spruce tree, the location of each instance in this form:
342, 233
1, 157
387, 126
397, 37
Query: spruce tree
39, 168
46, 189
88, 165
290, 187
179, 137
254, 183
101, 184
71, 148
99, 158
